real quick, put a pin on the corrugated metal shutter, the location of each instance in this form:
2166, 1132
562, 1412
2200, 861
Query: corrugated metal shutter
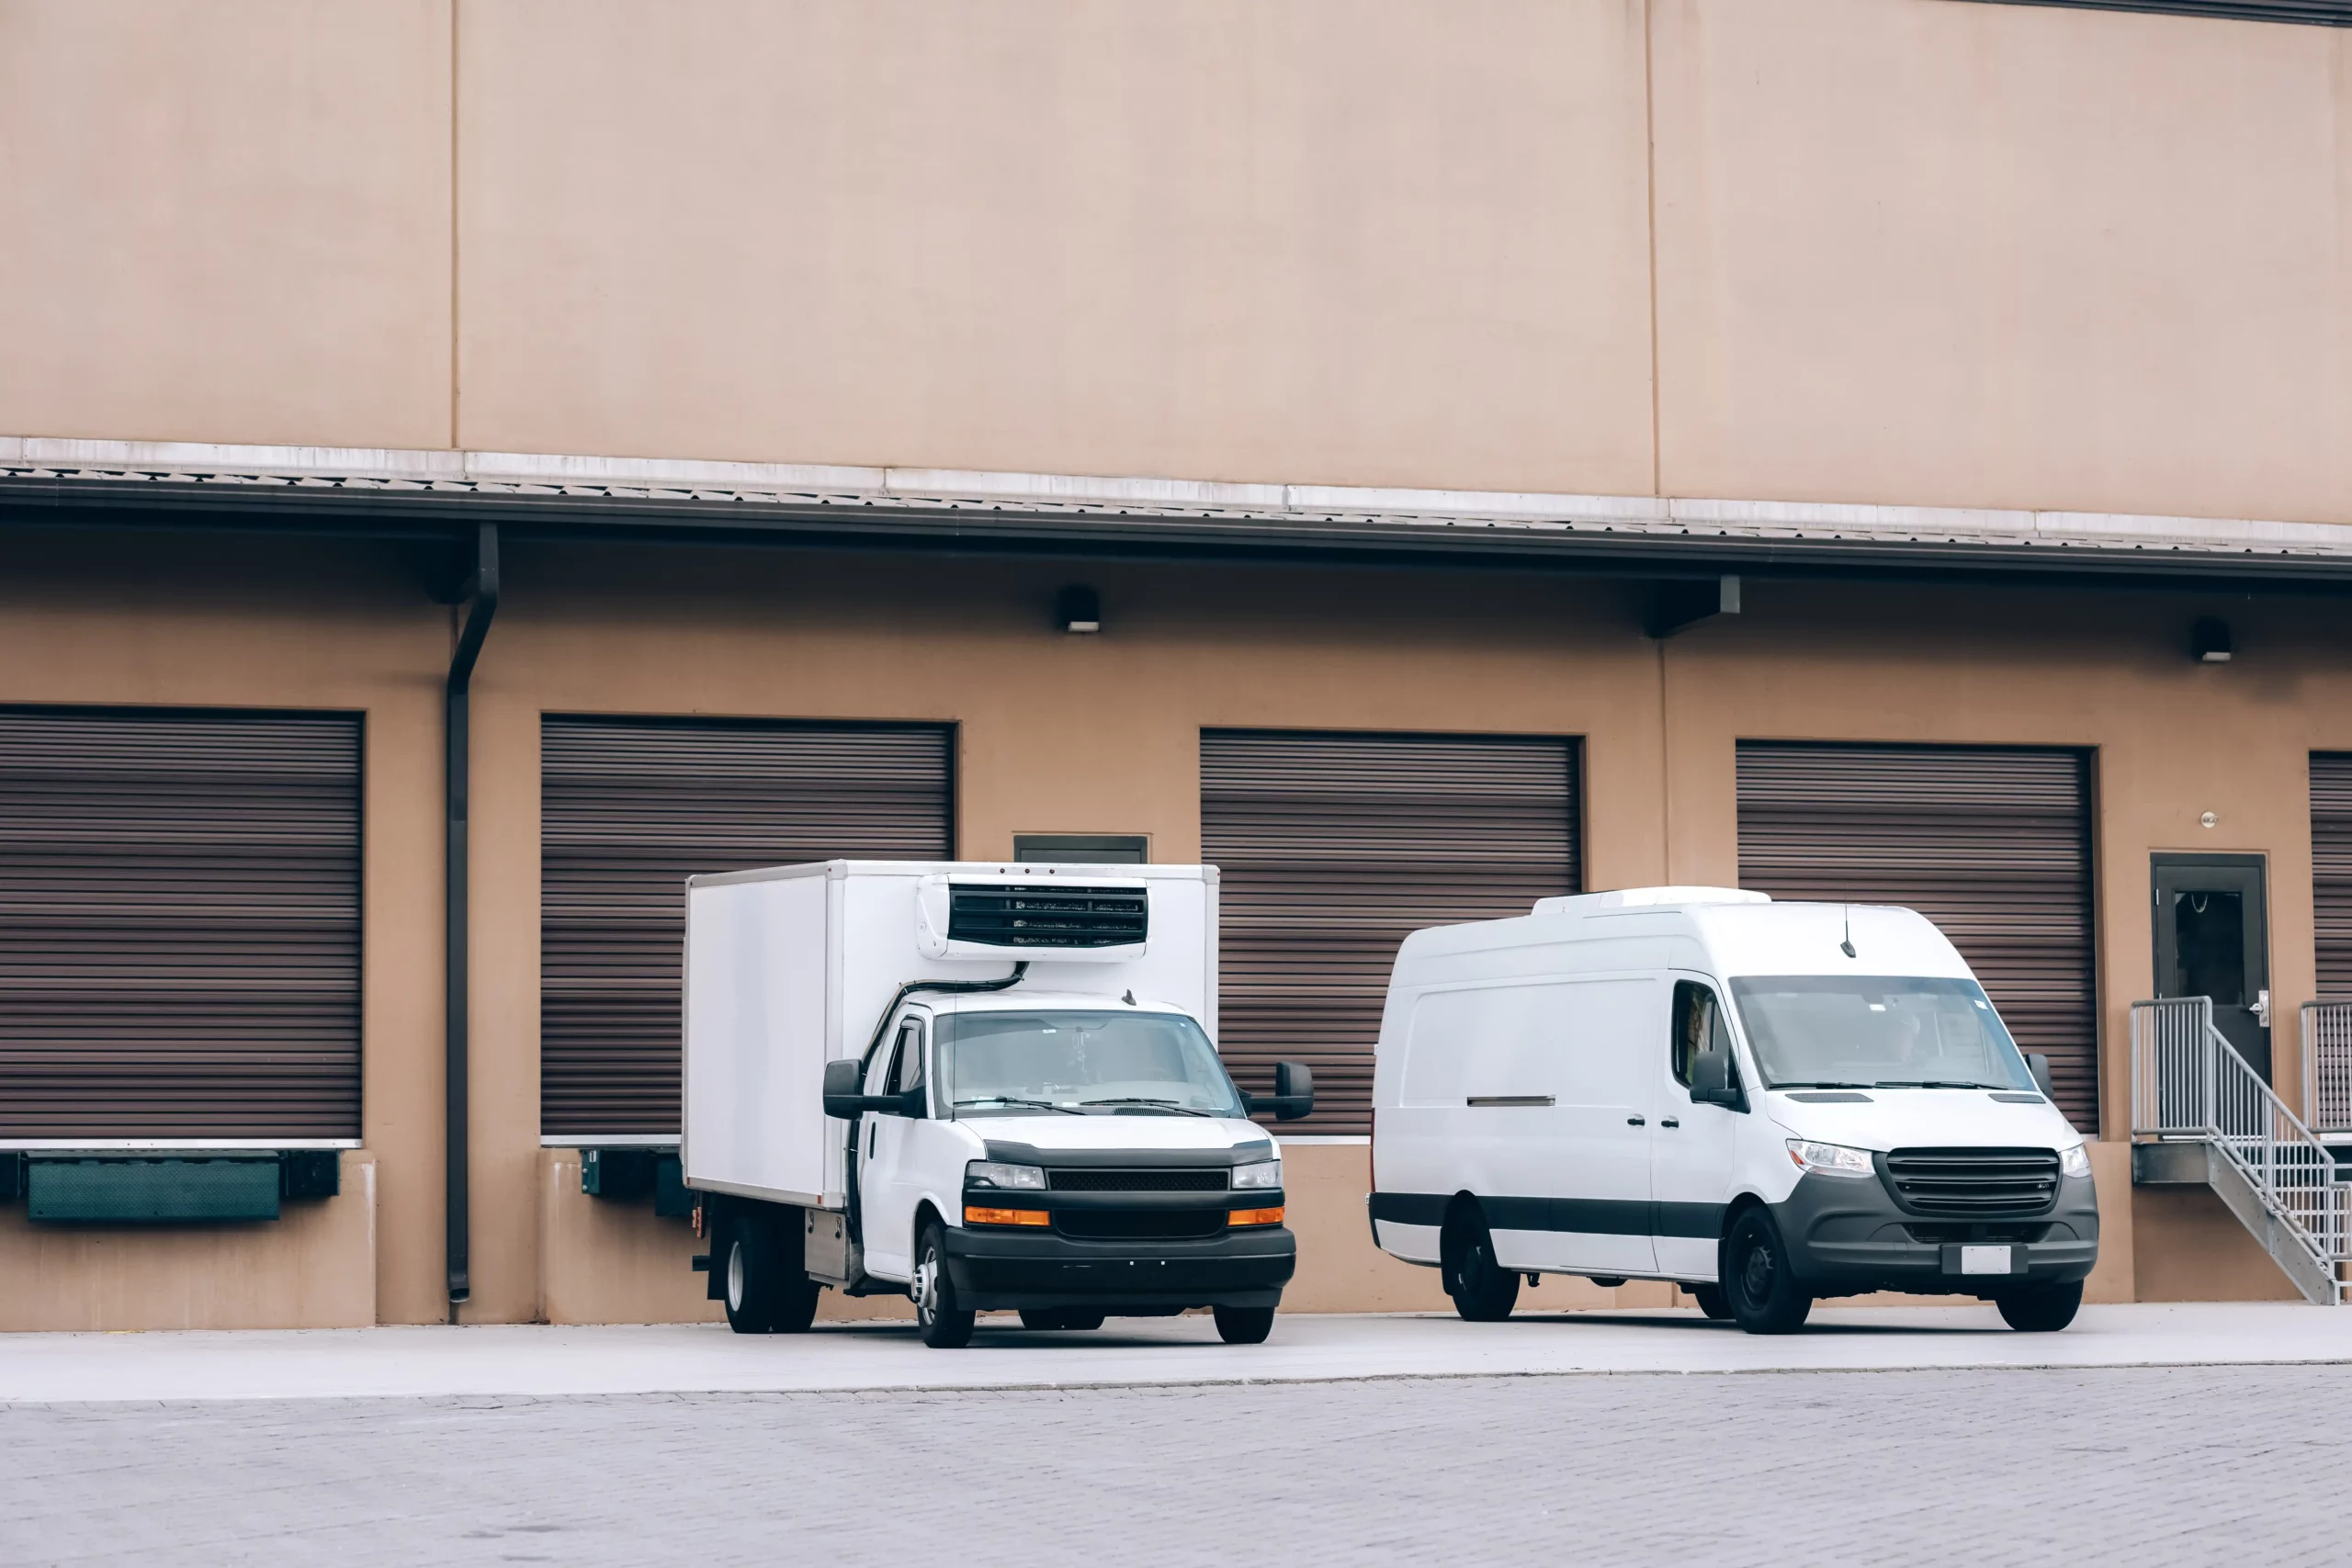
1992, 845
179, 924
2331, 871
1332, 849
629, 808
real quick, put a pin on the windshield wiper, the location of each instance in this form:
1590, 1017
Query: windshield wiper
1932, 1083
1169, 1105
1012, 1099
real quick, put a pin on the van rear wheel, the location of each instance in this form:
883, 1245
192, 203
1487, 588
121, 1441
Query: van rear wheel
1763, 1292
2044, 1310
1244, 1326
762, 1295
1711, 1301
1483, 1290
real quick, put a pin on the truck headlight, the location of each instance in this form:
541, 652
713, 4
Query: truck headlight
2075, 1161
1265, 1173
995, 1173
1830, 1159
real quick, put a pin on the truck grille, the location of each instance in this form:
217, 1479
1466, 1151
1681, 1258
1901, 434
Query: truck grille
1977, 1184
1047, 916
1135, 1181
1139, 1225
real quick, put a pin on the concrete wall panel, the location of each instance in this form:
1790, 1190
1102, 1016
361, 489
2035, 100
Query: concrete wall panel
226, 222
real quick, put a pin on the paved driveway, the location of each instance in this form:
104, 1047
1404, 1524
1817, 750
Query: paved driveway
2140, 1465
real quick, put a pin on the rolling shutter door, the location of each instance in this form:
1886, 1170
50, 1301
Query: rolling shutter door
1992, 845
1332, 849
179, 925
629, 808
2332, 871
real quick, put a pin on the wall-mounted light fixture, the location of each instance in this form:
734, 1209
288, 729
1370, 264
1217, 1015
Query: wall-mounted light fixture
2208, 640
1077, 608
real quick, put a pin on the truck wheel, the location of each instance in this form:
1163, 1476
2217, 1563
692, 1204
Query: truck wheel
2044, 1310
759, 1295
1763, 1293
943, 1328
1244, 1326
1711, 1301
1483, 1292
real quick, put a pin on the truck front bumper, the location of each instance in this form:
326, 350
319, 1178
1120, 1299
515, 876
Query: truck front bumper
1846, 1237
994, 1270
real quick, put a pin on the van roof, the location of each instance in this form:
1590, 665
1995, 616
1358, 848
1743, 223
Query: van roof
1646, 898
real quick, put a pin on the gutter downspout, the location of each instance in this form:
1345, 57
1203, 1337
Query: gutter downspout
457, 732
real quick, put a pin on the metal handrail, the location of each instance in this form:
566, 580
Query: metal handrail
2327, 1066
2188, 1082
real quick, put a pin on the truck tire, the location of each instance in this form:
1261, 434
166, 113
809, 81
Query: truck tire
2044, 1310
1244, 1326
761, 1292
942, 1327
1711, 1301
1761, 1288
1482, 1289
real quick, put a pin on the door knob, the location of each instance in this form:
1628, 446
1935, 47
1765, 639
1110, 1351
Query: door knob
2261, 1009
1670, 1122
1637, 1121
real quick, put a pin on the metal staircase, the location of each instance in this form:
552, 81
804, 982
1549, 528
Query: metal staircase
2209, 1118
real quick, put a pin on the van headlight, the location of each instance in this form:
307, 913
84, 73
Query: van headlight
995, 1173
1265, 1173
2075, 1161
1830, 1159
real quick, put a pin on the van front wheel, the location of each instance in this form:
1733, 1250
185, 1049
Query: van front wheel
1762, 1289
942, 1327
1483, 1290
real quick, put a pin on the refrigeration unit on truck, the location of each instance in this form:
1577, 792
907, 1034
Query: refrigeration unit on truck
983, 1087
1765, 1102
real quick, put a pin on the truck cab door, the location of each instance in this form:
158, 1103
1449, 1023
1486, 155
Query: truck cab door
1694, 1151
887, 1186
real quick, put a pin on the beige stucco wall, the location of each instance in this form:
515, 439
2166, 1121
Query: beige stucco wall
226, 220
1904, 250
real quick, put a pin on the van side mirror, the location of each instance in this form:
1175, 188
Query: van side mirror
843, 1099
2038, 1065
1711, 1081
1294, 1095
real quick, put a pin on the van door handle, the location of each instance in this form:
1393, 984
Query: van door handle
1669, 1122
1637, 1121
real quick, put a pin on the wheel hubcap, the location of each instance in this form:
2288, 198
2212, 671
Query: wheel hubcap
1755, 1274
927, 1287
735, 1277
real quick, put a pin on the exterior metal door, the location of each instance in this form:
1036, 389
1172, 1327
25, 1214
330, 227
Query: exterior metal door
629, 808
888, 1185
1694, 1149
2213, 939
1332, 849
179, 925
1992, 843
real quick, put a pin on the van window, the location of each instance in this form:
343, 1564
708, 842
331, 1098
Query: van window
1583, 1042
1698, 1028
906, 1072
1876, 1031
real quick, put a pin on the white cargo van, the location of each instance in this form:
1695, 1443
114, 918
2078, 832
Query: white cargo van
1766, 1102
985, 1087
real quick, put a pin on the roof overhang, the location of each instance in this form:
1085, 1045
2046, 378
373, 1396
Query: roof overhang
438, 493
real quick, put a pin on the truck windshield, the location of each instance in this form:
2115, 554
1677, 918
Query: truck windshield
1836, 1031
1095, 1063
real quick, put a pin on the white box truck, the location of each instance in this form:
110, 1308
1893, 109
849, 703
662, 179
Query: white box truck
1766, 1102
985, 1087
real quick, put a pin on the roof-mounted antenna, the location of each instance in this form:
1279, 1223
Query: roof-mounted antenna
1845, 944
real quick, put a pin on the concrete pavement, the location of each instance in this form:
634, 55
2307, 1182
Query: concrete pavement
547, 1362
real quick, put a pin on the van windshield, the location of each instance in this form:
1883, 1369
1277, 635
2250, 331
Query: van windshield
1836, 1031
1089, 1064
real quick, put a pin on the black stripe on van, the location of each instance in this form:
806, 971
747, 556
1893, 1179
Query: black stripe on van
1589, 1216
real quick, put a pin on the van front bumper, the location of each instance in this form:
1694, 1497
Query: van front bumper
1848, 1236
1000, 1270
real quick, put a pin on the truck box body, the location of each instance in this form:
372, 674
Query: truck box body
792, 967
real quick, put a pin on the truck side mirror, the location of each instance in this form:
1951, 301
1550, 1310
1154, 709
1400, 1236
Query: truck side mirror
1711, 1081
2038, 1065
842, 1098
1294, 1095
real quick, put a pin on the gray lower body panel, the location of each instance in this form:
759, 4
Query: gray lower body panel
1847, 1237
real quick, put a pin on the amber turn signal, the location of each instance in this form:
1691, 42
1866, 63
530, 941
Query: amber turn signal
1256, 1217
973, 1216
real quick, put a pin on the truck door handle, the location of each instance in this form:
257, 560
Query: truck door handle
1670, 1122
1637, 1120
